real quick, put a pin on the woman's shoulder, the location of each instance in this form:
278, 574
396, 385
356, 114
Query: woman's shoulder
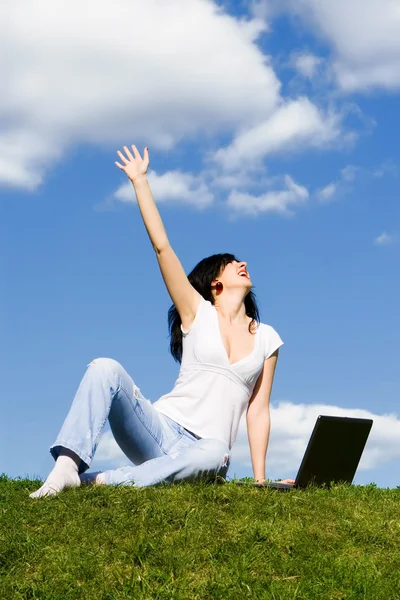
205, 305
204, 308
271, 338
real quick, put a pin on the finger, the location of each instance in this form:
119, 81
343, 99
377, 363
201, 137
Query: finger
122, 157
120, 166
128, 153
136, 152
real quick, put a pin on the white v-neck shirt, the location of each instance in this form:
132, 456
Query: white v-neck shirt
211, 394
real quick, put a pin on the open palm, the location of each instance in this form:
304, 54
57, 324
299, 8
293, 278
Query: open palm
134, 165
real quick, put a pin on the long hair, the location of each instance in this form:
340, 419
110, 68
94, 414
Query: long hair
201, 278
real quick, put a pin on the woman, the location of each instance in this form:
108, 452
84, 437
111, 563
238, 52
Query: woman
228, 360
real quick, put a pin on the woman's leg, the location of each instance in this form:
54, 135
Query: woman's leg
189, 459
106, 390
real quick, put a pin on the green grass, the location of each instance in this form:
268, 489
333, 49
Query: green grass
192, 541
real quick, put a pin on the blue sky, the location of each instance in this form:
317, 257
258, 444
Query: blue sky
273, 135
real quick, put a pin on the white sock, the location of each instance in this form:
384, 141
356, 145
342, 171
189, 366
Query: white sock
64, 474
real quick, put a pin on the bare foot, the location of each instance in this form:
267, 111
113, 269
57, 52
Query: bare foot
94, 478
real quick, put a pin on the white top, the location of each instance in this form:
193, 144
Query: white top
210, 394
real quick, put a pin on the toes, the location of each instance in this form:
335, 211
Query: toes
46, 490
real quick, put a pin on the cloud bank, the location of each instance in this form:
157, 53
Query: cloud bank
103, 73
363, 36
150, 73
291, 427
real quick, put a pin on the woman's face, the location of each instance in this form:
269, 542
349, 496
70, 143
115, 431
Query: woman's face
236, 275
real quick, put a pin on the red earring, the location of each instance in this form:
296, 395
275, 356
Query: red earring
219, 287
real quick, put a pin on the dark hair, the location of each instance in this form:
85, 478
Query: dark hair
201, 278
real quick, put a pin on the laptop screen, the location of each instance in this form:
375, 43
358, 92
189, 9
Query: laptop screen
334, 450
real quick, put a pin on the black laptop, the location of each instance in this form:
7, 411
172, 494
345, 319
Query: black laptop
332, 454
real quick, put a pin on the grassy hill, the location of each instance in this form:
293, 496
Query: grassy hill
192, 541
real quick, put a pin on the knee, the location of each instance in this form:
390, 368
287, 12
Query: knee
106, 364
215, 453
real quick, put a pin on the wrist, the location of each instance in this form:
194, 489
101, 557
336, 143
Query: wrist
139, 181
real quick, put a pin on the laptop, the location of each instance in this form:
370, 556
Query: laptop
332, 454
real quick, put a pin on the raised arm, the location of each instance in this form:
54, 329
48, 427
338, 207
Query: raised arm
182, 293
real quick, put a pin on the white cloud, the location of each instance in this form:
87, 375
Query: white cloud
184, 188
279, 201
326, 193
340, 186
291, 427
106, 73
228, 181
305, 63
150, 73
349, 173
173, 186
108, 451
364, 35
344, 182
261, 9
295, 124
24, 156
386, 168
384, 239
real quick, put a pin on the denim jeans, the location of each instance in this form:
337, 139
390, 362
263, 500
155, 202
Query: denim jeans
160, 449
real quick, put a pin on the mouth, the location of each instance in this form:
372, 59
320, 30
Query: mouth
244, 274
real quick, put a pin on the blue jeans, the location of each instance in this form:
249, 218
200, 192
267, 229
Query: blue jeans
161, 449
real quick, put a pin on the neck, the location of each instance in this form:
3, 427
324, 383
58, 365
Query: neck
231, 306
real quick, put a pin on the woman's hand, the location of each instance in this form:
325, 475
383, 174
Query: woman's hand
280, 481
287, 481
134, 166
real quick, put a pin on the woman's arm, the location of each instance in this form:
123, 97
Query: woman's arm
258, 417
182, 293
